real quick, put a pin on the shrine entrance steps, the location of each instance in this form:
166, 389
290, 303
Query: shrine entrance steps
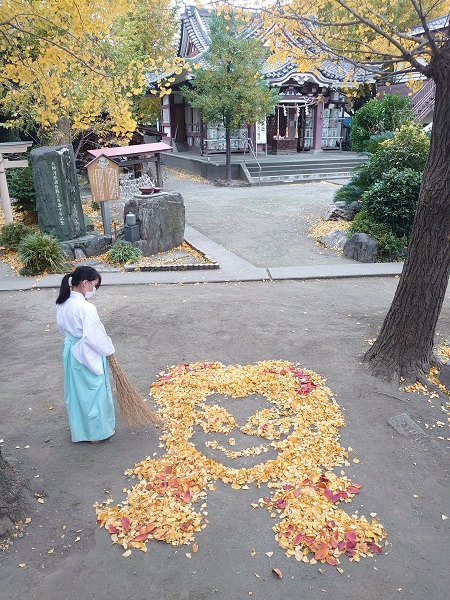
277, 171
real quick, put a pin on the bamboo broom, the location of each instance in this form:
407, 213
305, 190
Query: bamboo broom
133, 409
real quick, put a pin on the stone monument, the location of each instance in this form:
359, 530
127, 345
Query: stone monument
161, 219
58, 202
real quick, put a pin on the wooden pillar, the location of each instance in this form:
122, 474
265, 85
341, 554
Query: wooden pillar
6, 202
318, 122
158, 169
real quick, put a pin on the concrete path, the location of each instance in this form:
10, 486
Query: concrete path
254, 234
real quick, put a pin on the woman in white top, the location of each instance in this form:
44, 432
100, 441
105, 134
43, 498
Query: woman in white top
87, 390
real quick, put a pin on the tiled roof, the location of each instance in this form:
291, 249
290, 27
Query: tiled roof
195, 29
433, 25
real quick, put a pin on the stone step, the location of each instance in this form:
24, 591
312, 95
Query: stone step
304, 166
298, 178
272, 172
292, 170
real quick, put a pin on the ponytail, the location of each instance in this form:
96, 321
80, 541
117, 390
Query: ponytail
80, 274
64, 290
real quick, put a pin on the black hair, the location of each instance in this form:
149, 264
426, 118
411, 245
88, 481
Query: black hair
80, 274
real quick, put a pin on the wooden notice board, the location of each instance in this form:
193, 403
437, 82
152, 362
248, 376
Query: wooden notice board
103, 176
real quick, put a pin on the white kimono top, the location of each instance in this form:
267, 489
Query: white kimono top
79, 318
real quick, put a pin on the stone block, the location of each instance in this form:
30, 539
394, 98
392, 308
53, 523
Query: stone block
131, 233
361, 247
161, 220
342, 211
335, 239
58, 200
91, 244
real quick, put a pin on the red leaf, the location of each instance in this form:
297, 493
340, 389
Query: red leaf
298, 538
112, 529
125, 522
321, 553
336, 498
185, 526
168, 469
342, 546
374, 548
329, 494
140, 537
334, 540
332, 560
150, 528
187, 496
281, 503
278, 572
350, 536
352, 489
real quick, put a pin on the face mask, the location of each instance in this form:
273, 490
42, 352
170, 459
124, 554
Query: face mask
91, 294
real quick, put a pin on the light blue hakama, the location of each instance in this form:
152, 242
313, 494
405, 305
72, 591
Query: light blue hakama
88, 398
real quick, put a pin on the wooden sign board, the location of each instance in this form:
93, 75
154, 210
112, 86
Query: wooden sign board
103, 176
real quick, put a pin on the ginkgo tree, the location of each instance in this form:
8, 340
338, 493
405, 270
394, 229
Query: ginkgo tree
70, 66
230, 89
382, 36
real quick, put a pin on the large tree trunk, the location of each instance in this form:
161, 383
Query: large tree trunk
228, 155
404, 347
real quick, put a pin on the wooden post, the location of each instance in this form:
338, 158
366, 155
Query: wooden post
158, 170
6, 202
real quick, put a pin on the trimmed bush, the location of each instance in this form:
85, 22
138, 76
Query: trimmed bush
13, 233
392, 201
122, 252
40, 253
406, 149
377, 117
390, 246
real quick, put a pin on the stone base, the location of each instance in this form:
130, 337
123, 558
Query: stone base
131, 233
92, 244
161, 220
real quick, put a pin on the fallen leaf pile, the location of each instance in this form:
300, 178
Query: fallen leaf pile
302, 426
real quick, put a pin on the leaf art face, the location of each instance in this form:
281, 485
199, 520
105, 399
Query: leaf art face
302, 424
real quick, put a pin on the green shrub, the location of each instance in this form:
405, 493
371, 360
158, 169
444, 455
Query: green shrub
390, 246
21, 188
41, 252
374, 142
349, 193
378, 116
407, 149
12, 234
95, 205
122, 252
392, 200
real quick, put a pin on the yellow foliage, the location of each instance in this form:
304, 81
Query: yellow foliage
76, 61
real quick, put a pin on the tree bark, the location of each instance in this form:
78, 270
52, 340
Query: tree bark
228, 154
404, 347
